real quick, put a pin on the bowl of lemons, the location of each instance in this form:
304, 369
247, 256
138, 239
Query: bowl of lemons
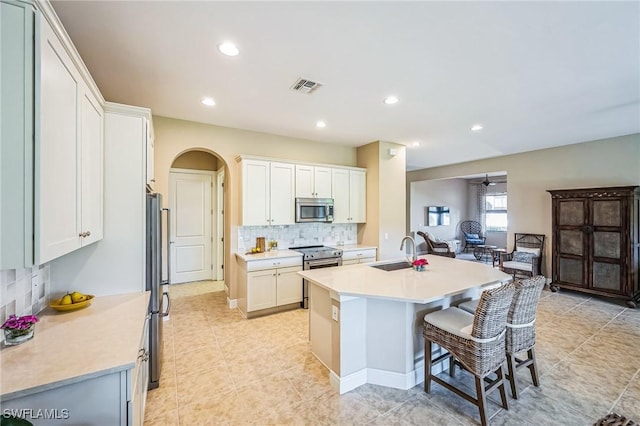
71, 301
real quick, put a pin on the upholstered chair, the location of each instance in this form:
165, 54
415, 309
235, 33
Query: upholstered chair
526, 258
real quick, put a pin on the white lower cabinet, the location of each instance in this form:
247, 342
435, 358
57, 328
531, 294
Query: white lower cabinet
273, 287
269, 284
353, 257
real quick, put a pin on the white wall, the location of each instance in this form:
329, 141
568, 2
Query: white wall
606, 162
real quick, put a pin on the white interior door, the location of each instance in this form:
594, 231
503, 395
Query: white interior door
190, 227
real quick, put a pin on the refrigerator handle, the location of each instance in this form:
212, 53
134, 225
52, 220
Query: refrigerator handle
166, 313
168, 280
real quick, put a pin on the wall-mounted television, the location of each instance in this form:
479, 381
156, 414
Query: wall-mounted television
437, 216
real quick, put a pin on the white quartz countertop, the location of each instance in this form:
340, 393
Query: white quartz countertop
443, 277
352, 247
273, 254
72, 346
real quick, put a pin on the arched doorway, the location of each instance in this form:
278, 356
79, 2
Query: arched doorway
196, 205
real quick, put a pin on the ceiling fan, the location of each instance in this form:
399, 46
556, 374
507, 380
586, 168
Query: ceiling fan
487, 182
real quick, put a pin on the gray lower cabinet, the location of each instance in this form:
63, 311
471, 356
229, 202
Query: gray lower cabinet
112, 398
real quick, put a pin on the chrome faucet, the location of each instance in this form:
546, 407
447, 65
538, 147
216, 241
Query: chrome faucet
413, 258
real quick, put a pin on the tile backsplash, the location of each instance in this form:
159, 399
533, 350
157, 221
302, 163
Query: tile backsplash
24, 291
301, 234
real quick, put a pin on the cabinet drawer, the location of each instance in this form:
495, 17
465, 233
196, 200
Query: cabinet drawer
280, 262
358, 254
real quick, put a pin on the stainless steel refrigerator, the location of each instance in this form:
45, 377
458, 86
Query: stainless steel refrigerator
159, 304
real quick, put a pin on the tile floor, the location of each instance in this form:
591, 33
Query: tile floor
220, 369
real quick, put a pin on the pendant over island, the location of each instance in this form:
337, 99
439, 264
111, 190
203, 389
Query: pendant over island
365, 320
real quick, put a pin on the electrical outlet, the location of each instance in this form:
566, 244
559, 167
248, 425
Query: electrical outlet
334, 313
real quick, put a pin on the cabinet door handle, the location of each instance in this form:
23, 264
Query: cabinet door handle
88, 233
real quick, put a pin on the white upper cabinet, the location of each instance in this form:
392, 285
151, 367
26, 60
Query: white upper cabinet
267, 193
92, 161
58, 151
349, 195
52, 140
313, 181
282, 186
255, 192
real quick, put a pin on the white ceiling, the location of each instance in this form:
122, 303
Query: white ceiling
535, 74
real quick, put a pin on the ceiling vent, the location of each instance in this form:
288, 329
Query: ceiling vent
304, 85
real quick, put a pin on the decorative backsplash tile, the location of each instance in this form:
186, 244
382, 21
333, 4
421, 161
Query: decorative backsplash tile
24, 291
301, 234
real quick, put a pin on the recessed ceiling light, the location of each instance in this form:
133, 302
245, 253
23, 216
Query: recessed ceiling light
208, 101
390, 100
476, 127
228, 48
415, 144
321, 124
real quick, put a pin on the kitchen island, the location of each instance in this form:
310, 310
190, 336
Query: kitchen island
365, 324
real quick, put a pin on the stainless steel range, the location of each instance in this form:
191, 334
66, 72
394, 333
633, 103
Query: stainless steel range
315, 257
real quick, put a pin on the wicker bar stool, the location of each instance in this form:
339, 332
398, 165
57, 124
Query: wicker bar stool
521, 328
477, 342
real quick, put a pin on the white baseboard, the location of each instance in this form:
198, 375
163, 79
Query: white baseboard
232, 303
386, 378
350, 382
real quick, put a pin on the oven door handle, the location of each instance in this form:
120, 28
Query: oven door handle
310, 264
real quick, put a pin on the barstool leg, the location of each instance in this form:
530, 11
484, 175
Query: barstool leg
511, 366
532, 367
482, 400
502, 387
427, 365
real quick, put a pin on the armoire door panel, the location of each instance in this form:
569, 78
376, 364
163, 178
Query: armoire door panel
572, 242
571, 213
607, 213
570, 271
606, 276
606, 244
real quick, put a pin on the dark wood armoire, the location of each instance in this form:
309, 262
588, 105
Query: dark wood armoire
596, 241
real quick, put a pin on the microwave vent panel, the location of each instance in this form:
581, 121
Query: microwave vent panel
304, 85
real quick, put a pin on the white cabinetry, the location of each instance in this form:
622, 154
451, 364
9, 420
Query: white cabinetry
349, 195
267, 193
52, 140
269, 284
353, 257
68, 153
313, 181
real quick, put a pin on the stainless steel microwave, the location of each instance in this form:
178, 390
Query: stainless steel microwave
314, 210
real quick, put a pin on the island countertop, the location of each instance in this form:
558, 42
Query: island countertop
443, 277
68, 347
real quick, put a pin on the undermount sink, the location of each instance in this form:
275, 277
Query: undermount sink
392, 266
